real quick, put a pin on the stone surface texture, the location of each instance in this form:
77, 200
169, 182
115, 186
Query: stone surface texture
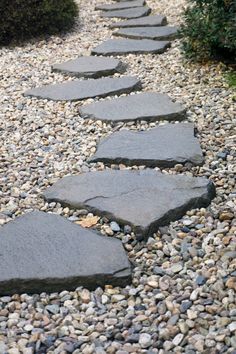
130, 46
120, 5
128, 13
162, 146
147, 106
156, 33
90, 67
79, 90
148, 21
45, 252
143, 199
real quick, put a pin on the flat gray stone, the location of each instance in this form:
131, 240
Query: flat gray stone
148, 21
149, 106
128, 13
130, 46
144, 199
79, 90
156, 33
121, 5
91, 67
163, 146
45, 252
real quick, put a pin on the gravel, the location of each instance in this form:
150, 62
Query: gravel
190, 310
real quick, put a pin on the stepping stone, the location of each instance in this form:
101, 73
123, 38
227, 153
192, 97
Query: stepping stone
149, 106
79, 90
128, 13
143, 199
130, 46
160, 33
163, 146
91, 67
148, 21
121, 5
45, 252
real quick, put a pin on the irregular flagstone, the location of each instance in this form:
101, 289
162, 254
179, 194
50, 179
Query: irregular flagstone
128, 13
149, 106
91, 67
162, 146
121, 5
79, 90
130, 46
148, 21
143, 199
158, 33
45, 252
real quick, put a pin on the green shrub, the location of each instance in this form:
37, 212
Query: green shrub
209, 30
21, 19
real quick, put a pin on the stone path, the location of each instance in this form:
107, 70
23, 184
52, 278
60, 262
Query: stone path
163, 146
149, 106
90, 67
46, 252
145, 200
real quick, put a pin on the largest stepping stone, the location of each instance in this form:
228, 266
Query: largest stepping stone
148, 21
149, 106
90, 67
121, 5
144, 200
162, 146
45, 252
130, 46
79, 90
128, 13
156, 33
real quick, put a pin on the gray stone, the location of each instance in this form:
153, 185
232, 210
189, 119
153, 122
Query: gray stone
148, 21
149, 106
130, 46
162, 146
128, 13
156, 33
143, 199
121, 5
45, 252
91, 67
79, 90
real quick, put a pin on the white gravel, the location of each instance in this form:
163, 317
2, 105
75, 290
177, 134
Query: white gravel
192, 310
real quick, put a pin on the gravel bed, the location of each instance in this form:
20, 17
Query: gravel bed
182, 298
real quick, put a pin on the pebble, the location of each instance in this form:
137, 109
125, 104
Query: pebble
145, 340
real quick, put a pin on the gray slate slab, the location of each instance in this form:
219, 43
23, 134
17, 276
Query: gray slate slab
45, 252
130, 46
79, 90
121, 5
149, 106
148, 21
128, 13
162, 146
90, 67
156, 33
143, 199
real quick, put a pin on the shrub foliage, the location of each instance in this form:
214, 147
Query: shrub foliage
21, 19
209, 30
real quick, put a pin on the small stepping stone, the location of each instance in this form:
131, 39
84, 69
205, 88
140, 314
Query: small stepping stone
163, 146
121, 5
91, 67
149, 106
156, 33
128, 13
45, 252
79, 90
130, 46
148, 21
145, 200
